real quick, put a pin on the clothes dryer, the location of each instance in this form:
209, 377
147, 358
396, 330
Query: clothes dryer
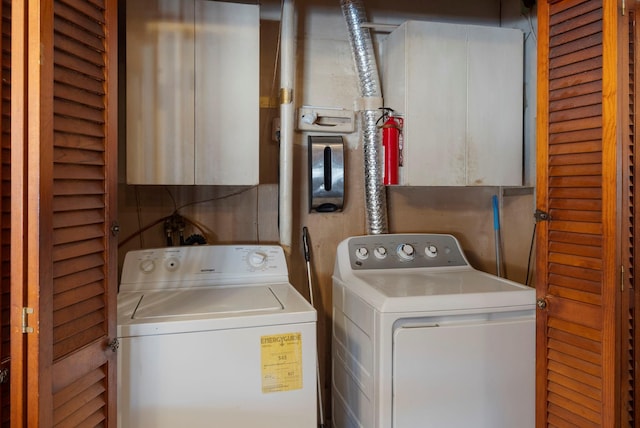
423, 340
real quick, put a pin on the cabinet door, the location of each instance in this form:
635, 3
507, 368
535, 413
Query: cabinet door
417, 56
494, 105
160, 92
227, 53
459, 88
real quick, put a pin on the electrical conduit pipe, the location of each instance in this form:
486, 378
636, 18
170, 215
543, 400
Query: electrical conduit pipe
287, 69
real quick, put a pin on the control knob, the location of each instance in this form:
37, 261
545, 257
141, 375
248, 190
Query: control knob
257, 259
380, 253
406, 252
431, 251
362, 253
147, 265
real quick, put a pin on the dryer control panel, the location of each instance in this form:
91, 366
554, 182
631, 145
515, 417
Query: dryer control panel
405, 251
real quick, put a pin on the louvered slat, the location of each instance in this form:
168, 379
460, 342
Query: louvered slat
75, 171
70, 313
78, 414
69, 331
75, 295
572, 384
70, 282
75, 79
77, 111
77, 202
70, 234
76, 264
89, 246
68, 158
75, 187
86, 334
69, 12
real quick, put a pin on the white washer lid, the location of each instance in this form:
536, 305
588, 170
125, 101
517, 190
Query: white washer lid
206, 301
145, 313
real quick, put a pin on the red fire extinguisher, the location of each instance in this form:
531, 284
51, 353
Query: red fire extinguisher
392, 145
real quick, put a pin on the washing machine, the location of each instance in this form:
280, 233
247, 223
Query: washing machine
421, 339
214, 336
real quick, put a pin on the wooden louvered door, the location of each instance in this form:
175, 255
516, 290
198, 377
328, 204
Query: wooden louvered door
630, 223
583, 97
5, 210
63, 182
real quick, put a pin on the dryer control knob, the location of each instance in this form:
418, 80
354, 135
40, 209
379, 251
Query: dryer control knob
406, 252
147, 265
258, 259
362, 253
380, 253
431, 251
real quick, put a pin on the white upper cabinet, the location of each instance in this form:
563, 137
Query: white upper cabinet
460, 90
192, 92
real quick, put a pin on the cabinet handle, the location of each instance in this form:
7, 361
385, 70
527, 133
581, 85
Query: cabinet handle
115, 229
114, 345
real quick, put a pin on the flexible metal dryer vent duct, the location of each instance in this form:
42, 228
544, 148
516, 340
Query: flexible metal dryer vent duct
362, 49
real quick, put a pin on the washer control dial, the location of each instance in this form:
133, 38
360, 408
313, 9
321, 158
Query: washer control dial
257, 259
380, 253
431, 251
147, 265
406, 252
362, 253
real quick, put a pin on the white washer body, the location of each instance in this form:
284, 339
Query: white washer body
423, 340
214, 336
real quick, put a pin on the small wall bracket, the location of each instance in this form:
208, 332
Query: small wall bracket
326, 119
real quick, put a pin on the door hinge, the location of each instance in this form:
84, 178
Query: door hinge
25, 321
540, 215
624, 7
621, 278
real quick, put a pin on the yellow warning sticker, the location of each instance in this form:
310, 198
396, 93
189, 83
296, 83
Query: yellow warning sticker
281, 362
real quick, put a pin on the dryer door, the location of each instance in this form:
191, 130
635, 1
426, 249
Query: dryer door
462, 372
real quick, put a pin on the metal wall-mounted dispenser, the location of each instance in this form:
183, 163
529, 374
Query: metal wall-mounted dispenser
326, 173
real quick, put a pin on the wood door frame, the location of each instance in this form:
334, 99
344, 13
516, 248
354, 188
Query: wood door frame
30, 129
611, 111
18, 210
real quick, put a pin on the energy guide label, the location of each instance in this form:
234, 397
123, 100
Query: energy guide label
281, 362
